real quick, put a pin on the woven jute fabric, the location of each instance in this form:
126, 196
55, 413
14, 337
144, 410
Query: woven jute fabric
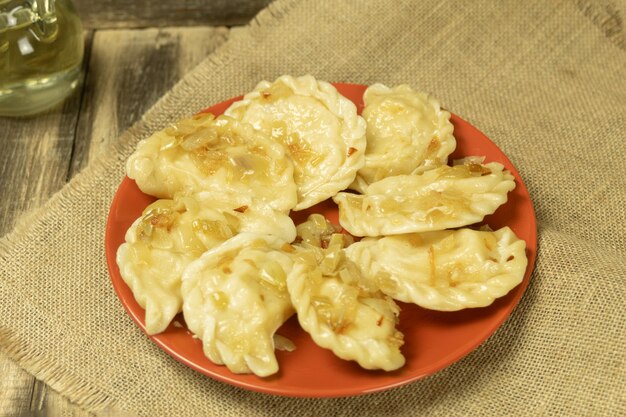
545, 80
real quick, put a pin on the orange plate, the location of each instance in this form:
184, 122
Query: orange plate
433, 340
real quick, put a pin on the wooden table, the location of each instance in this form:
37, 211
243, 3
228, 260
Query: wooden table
134, 52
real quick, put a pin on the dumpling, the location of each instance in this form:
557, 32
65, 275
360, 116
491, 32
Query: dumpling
437, 199
444, 270
220, 155
341, 311
170, 234
407, 133
318, 126
235, 298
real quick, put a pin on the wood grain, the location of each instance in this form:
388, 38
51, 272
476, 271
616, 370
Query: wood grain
34, 157
16, 386
126, 71
106, 14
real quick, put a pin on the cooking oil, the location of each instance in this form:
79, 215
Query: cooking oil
41, 51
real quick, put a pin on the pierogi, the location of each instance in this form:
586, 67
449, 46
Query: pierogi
170, 234
407, 133
445, 270
223, 156
320, 129
235, 298
340, 310
437, 199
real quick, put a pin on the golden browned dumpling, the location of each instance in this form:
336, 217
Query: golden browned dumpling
437, 199
235, 298
222, 156
318, 126
340, 310
407, 133
445, 270
170, 234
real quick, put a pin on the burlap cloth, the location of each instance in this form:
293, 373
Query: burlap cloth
545, 80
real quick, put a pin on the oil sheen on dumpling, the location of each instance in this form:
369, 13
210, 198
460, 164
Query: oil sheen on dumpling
340, 311
219, 155
437, 199
170, 234
446, 270
235, 298
318, 126
407, 133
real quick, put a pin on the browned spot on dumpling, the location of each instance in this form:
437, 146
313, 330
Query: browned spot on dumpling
414, 239
288, 248
434, 145
277, 91
209, 161
478, 169
433, 265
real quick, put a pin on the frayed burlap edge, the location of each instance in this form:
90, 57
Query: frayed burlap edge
45, 369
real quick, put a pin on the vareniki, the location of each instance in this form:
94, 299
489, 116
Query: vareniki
446, 270
319, 128
221, 156
407, 133
437, 199
235, 300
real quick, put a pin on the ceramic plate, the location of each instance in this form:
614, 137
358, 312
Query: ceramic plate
433, 340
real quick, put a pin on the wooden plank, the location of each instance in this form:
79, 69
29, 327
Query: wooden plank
16, 386
49, 403
106, 14
35, 157
128, 71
